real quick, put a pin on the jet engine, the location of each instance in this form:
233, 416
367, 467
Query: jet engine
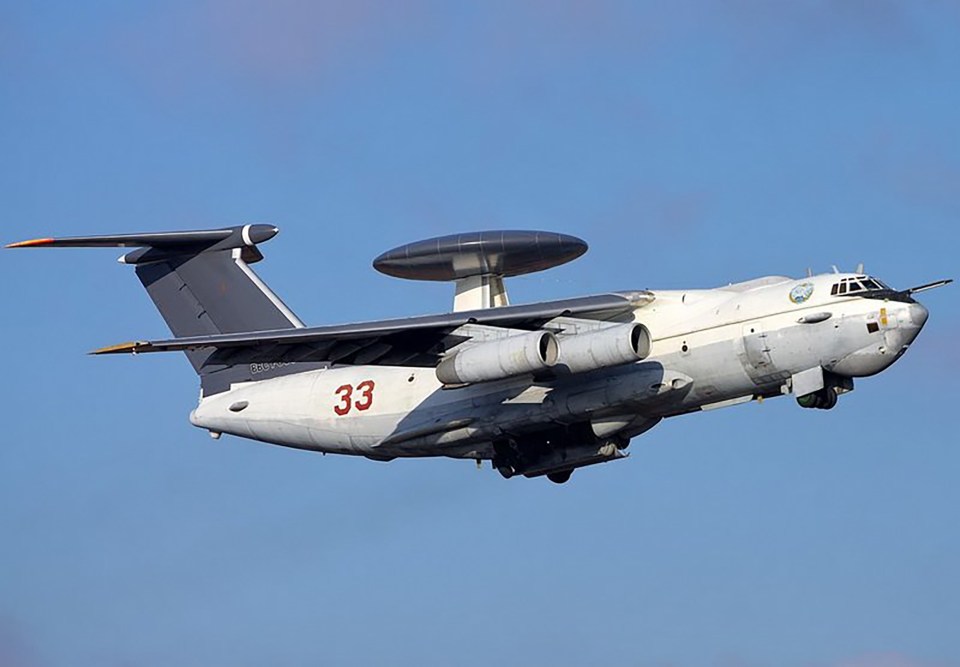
500, 359
612, 346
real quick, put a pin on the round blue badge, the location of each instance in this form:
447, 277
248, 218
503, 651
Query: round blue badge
801, 292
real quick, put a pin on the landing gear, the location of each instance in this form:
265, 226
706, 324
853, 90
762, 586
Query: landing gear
507, 458
555, 453
829, 399
824, 399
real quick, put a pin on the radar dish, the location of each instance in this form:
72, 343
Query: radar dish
489, 253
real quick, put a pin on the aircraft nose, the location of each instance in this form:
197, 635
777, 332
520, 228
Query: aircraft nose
918, 315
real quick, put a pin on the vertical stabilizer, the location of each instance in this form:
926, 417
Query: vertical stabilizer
201, 282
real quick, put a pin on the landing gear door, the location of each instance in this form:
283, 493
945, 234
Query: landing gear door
756, 348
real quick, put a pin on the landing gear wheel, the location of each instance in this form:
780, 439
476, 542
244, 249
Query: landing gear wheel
824, 399
828, 400
559, 477
506, 470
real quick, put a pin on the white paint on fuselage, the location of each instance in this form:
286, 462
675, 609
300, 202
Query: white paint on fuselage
301, 410
738, 341
720, 323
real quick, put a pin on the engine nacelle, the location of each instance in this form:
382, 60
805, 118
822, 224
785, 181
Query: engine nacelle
500, 359
613, 346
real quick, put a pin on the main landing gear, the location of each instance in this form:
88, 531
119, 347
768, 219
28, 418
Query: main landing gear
555, 453
824, 399
560, 477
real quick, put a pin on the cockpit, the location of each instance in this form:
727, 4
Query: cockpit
857, 285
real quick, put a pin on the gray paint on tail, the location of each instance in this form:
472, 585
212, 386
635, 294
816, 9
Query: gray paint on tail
201, 283
208, 290
209, 293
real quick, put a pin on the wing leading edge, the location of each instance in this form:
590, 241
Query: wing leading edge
414, 341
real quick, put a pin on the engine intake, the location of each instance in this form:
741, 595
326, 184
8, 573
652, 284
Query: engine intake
613, 346
500, 359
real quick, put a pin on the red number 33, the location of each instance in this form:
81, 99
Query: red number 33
345, 392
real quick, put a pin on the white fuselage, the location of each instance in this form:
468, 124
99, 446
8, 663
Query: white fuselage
710, 348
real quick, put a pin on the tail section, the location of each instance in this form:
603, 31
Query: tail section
200, 281
205, 290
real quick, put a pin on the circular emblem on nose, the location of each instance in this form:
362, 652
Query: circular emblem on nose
801, 292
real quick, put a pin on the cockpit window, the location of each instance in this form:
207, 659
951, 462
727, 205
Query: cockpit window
855, 285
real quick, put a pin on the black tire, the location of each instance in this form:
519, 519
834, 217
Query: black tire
828, 401
559, 477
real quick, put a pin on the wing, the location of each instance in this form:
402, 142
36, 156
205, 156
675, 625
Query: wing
415, 341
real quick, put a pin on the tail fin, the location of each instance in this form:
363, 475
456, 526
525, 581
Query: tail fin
200, 281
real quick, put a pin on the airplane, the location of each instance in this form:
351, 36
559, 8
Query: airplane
537, 389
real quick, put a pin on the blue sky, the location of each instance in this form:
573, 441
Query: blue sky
691, 146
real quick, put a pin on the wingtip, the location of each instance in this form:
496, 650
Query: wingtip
32, 243
120, 348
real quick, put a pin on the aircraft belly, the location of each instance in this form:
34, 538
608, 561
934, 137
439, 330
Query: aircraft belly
478, 414
344, 410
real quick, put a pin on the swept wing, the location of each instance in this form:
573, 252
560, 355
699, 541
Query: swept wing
408, 341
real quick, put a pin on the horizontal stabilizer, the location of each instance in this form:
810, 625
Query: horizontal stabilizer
229, 237
160, 246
